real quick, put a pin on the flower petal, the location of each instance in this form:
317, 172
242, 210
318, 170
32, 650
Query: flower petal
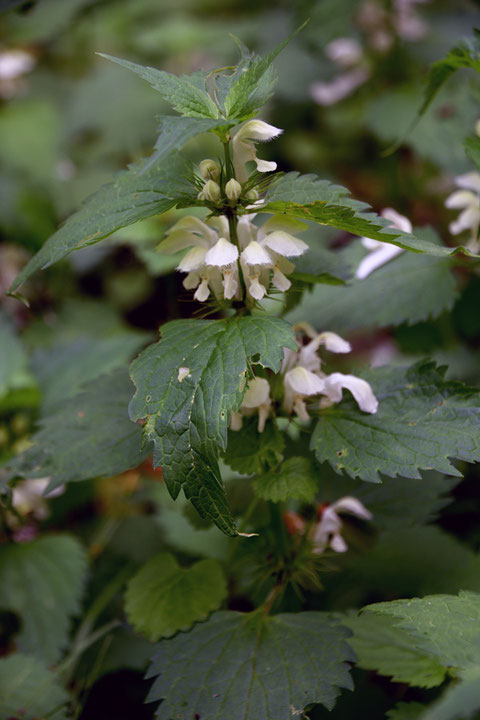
334, 343
469, 181
254, 254
304, 382
461, 199
360, 389
193, 260
399, 221
285, 244
257, 130
221, 254
257, 393
376, 259
353, 506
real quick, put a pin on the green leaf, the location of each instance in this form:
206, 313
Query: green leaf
250, 452
411, 288
187, 415
13, 359
175, 132
472, 149
242, 665
185, 93
42, 582
309, 198
447, 627
163, 598
29, 691
422, 421
461, 699
87, 436
295, 478
132, 196
255, 84
464, 55
388, 650
406, 711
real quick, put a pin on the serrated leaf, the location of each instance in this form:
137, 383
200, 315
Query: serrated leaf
446, 627
250, 452
255, 84
87, 436
409, 289
184, 93
163, 597
309, 198
29, 691
133, 195
187, 415
294, 479
388, 650
42, 582
242, 665
422, 421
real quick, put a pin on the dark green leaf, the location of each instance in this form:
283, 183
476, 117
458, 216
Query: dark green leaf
185, 94
29, 691
132, 196
406, 711
163, 598
472, 149
42, 581
188, 414
422, 421
87, 436
240, 665
295, 478
309, 198
250, 452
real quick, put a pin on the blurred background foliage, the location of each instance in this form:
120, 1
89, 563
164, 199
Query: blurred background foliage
69, 119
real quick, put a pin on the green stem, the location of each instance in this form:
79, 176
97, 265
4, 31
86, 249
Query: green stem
278, 526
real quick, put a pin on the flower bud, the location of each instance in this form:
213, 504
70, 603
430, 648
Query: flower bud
252, 194
209, 169
233, 190
210, 192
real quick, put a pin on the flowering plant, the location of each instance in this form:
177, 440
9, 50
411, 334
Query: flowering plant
247, 397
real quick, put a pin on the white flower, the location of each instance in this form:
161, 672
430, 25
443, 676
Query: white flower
327, 531
344, 51
330, 93
243, 146
382, 252
467, 198
300, 383
224, 255
257, 397
28, 497
360, 389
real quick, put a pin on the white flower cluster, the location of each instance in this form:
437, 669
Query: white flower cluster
381, 252
304, 379
259, 256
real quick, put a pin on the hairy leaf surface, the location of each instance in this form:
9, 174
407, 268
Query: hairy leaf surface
163, 597
42, 581
240, 665
187, 385
250, 452
422, 421
29, 691
295, 478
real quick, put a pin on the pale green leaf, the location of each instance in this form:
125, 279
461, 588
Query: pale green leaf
133, 195
87, 436
242, 665
163, 597
460, 701
187, 386
388, 650
250, 452
422, 421
295, 478
309, 198
29, 691
185, 93
42, 582
409, 289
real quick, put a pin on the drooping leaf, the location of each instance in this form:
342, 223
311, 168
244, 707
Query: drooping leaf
422, 421
163, 597
87, 436
186, 93
295, 478
29, 691
42, 581
187, 385
309, 198
409, 288
133, 195
250, 452
388, 650
240, 665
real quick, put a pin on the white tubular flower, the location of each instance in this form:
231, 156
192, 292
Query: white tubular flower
29, 497
209, 170
360, 389
256, 264
300, 383
223, 255
381, 252
257, 397
327, 531
308, 354
243, 146
467, 198
233, 190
